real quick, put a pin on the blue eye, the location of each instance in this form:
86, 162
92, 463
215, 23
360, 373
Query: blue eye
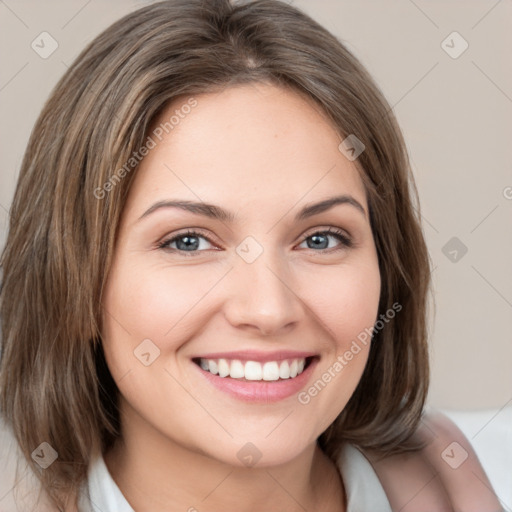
188, 243
321, 238
185, 242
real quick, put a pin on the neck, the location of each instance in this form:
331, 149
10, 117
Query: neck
156, 474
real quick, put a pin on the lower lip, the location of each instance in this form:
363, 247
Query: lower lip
260, 391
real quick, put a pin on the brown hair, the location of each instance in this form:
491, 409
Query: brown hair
55, 385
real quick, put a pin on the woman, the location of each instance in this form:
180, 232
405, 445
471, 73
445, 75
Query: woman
215, 283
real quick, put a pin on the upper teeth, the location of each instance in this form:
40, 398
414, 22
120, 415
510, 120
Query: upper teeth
253, 370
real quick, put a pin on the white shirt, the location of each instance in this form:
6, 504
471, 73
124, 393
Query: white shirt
364, 491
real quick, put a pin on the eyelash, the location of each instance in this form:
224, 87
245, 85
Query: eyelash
346, 242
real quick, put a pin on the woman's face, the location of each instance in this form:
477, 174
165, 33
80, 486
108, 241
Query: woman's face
255, 291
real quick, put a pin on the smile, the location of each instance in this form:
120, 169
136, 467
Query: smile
254, 370
269, 380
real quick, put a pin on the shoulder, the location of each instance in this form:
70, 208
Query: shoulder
445, 475
19, 486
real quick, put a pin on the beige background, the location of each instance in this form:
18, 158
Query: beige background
456, 114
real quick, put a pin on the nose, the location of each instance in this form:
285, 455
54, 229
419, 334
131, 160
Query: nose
264, 297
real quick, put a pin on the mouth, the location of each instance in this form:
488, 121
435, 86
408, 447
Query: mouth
248, 370
253, 381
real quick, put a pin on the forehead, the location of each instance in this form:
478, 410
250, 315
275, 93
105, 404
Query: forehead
251, 145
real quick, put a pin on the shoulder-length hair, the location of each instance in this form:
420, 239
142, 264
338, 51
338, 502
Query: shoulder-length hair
55, 385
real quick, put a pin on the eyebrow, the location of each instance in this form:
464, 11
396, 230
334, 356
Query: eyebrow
216, 212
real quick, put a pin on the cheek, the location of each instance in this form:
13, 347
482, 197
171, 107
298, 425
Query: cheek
152, 303
345, 303
155, 310
345, 300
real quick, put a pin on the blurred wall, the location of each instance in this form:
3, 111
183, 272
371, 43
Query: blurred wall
445, 68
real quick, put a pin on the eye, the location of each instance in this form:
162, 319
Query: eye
190, 241
185, 242
320, 240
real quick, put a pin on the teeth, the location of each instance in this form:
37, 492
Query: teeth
237, 370
284, 370
253, 370
271, 371
213, 367
223, 368
293, 369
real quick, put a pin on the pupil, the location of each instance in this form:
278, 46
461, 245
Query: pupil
187, 245
316, 237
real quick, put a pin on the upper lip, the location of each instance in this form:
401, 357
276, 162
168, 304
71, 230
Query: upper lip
255, 355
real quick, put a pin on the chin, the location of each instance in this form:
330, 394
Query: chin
262, 453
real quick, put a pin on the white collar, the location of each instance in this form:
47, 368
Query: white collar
362, 486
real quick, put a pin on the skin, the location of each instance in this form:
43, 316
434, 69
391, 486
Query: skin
179, 436
262, 153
